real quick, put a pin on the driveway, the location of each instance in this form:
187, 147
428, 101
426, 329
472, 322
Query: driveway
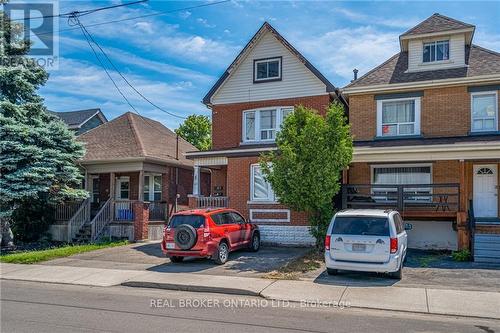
148, 256
423, 269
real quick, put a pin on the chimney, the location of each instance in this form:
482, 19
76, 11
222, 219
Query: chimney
355, 71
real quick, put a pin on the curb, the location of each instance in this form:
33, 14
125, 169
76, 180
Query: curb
191, 288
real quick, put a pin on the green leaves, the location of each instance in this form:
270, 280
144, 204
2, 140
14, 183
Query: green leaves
197, 130
312, 152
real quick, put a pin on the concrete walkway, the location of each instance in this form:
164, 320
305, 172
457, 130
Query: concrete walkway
420, 300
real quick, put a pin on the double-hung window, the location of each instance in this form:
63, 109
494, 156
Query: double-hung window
436, 51
152, 187
263, 124
398, 117
401, 175
260, 189
267, 69
484, 106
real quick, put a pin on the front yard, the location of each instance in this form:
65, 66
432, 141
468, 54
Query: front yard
35, 256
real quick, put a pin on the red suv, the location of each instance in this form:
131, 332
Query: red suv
208, 233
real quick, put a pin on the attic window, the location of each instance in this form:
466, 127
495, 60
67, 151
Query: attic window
268, 69
436, 51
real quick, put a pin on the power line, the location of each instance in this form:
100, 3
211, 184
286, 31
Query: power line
136, 17
124, 78
80, 13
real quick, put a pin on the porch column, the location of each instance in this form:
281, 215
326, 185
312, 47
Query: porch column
196, 181
112, 193
141, 221
141, 186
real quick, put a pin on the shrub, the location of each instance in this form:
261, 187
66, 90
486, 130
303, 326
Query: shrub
461, 255
31, 220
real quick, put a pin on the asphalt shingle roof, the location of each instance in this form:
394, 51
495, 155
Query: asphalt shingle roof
75, 118
480, 61
134, 136
437, 23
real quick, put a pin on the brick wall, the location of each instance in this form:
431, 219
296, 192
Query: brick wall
238, 190
444, 112
227, 118
219, 179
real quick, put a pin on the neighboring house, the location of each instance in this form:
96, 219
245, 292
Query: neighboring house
82, 121
249, 102
426, 134
130, 161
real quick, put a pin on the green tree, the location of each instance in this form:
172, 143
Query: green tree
306, 169
197, 129
37, 151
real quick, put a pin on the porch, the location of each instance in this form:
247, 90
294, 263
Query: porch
216, 196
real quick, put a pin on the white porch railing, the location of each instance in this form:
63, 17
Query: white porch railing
206, 202
76, 222
123, 210
102, 218
65, 211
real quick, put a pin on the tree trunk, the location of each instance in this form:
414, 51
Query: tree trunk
6, 235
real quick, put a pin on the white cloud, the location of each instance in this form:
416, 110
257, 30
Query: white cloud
340, 51
489, 41
205, 23
144, 27
185, 14
393, 22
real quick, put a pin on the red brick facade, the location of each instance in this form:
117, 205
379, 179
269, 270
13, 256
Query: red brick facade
227, 118
141, 221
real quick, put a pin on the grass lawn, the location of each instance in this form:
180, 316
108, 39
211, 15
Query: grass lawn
293, 269
31, 257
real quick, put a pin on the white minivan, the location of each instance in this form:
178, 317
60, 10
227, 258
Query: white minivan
370, 240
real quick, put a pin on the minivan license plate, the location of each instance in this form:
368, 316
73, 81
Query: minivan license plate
170, 245
358, 247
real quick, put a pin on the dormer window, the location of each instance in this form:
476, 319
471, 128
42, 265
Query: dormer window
268, 69
436, 51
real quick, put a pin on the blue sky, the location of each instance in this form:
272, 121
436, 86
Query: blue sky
175, 58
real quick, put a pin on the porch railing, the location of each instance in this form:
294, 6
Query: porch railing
77, 221
65, 211
414, 197
123, 210
206, 202
158, 211
101, 219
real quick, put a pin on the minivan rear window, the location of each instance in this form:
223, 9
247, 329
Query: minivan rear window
196, 221
361, 225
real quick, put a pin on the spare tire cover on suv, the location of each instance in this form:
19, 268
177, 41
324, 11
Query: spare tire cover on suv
185, 236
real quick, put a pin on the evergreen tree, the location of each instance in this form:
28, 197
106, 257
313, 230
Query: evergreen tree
37, 151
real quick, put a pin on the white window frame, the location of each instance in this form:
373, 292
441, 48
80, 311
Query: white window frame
491, 92
279, 121
416, 124
260, 61
271, 197
400, 165
151, 193
435, 50
118, 191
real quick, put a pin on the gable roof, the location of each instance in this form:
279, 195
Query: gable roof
131, 136
75, 119
480, 61
266, 27
437, 23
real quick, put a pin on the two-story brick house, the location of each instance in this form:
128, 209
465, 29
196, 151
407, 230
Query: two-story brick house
426, 130
249, 102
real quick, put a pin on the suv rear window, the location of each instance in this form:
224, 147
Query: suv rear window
196, 221
361, 225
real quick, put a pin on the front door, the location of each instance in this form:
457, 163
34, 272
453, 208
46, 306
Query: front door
485, 190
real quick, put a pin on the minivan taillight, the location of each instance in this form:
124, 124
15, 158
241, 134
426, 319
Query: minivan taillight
394, 245
327, 242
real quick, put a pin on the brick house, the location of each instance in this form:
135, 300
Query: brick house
249, 101
135, 172
426, 131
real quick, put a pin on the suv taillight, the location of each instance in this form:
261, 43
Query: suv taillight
206, 234
327, 242
394, 245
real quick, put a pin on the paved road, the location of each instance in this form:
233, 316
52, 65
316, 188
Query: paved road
36, 307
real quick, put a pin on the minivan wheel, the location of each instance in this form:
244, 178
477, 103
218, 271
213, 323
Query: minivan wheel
255, 243
332, 271
397, 274
176, 259
222, 253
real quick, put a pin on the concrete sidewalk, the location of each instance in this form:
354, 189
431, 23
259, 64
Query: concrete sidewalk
420, 300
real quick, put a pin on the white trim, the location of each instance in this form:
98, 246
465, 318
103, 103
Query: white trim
286, 220
267, 60
101, 117
486, 79
250, 202
436, 34
230, 151
151, 193
417, 115
271, 197
257, 128
118, 190
494, 92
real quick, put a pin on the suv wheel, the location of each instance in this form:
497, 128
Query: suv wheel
332, 271
222, 253
176, 259
255, 243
